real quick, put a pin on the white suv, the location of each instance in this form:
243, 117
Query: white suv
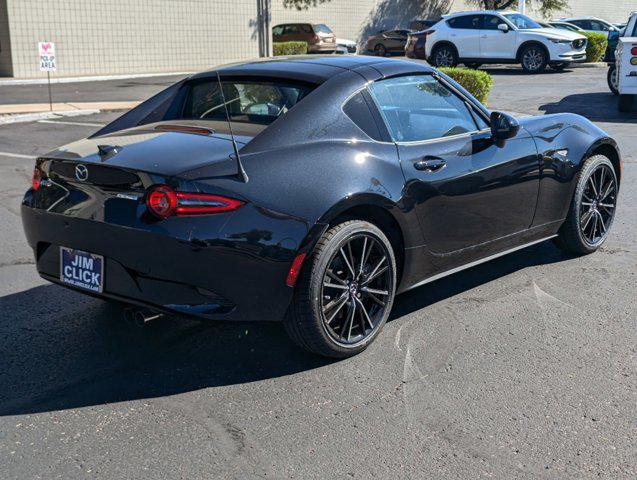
474, 38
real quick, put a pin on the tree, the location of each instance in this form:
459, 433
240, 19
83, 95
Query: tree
545, 7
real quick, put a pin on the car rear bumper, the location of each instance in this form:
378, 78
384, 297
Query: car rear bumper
323, 48
231, 276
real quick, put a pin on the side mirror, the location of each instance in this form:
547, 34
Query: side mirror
503, 27
503, 126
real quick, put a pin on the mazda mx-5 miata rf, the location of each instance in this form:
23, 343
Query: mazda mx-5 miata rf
311, 191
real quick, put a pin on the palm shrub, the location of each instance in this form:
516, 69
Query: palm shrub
476, 82
596, 47
289, 48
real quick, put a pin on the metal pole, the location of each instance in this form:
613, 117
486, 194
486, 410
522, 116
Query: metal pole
522, 5
48, 77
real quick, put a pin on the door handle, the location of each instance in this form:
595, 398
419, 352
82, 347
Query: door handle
483, 36
430, 164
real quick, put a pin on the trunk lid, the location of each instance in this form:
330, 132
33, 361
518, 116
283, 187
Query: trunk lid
164, 148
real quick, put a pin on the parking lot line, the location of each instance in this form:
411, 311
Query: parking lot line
84, 124
16, 155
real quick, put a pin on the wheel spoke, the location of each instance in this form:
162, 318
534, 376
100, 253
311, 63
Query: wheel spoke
601, 179
333, 276
376, 299
349, 266
374, 291
373, 273
335, 302
587, 204
364, 255
378, 272
591, 182
586, 218
606, 205
350, 321
333, 285
607, 191
369, 320
603, 224
338, 309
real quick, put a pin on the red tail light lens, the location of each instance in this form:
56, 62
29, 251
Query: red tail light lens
37, 178
163, 202
429, 32
633, 51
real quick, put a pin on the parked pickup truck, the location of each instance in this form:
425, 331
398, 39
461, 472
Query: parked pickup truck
626, 64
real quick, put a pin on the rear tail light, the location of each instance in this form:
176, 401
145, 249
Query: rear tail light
163, 202
428, 32
633, 51
37, 177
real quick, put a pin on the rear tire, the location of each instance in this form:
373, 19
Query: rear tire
444, 56
534, 59
333, 313
625, 103
380, 50
592, 209
611, 79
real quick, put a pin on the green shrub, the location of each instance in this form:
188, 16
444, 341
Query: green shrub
597, 43
476, 82
289, 48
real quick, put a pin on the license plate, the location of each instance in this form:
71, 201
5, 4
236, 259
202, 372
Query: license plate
82, 269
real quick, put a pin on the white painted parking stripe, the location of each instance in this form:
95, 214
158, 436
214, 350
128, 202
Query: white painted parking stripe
84, 124
16, 155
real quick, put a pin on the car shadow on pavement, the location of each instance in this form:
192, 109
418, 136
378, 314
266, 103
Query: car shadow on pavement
597, 106
62, 350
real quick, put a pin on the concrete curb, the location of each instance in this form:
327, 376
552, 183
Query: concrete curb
588, 65
32, 117
94, 78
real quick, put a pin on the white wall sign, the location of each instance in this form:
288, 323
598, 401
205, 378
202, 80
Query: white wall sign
47, 56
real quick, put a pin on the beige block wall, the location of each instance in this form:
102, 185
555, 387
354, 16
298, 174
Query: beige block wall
109, 37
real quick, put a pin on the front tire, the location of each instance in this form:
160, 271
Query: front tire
612, 79
534, 59
345, 292
444, 56
592, 208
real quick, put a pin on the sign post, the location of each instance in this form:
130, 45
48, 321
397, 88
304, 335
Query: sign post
47, 64
522, 5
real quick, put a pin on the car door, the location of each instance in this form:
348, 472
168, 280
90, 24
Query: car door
464, 189
495, 43
465, 35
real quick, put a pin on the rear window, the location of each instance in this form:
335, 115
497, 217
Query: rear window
246, 101
322, 28
471, 22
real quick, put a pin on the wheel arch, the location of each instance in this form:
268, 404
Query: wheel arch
440, 43
377, 210
518, 55
607, 147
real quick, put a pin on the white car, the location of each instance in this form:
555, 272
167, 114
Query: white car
475, 38
592, 24
343, 46
626, 65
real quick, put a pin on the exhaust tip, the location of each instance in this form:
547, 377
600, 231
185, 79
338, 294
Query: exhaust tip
141, 317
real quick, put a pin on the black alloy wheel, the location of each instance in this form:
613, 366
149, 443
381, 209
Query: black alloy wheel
592, 209
380, 50
345, 292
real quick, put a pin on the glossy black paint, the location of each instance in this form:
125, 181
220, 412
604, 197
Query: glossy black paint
308, 168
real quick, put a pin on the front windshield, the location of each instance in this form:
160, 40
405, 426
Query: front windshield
522, 21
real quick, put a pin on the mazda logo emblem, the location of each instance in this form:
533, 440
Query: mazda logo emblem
81, 173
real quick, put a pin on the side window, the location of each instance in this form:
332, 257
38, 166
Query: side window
491, 22
278, 30
584, 24
306, 28
419, 107
598, 26
357, 109
292, 30
471, 22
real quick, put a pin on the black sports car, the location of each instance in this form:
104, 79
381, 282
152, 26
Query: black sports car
353, 179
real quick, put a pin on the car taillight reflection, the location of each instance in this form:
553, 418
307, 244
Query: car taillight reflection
163, 202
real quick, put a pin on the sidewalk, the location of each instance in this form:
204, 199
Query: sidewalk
64, 107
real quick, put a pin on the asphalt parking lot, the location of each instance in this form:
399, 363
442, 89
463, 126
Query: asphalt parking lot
524, 367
